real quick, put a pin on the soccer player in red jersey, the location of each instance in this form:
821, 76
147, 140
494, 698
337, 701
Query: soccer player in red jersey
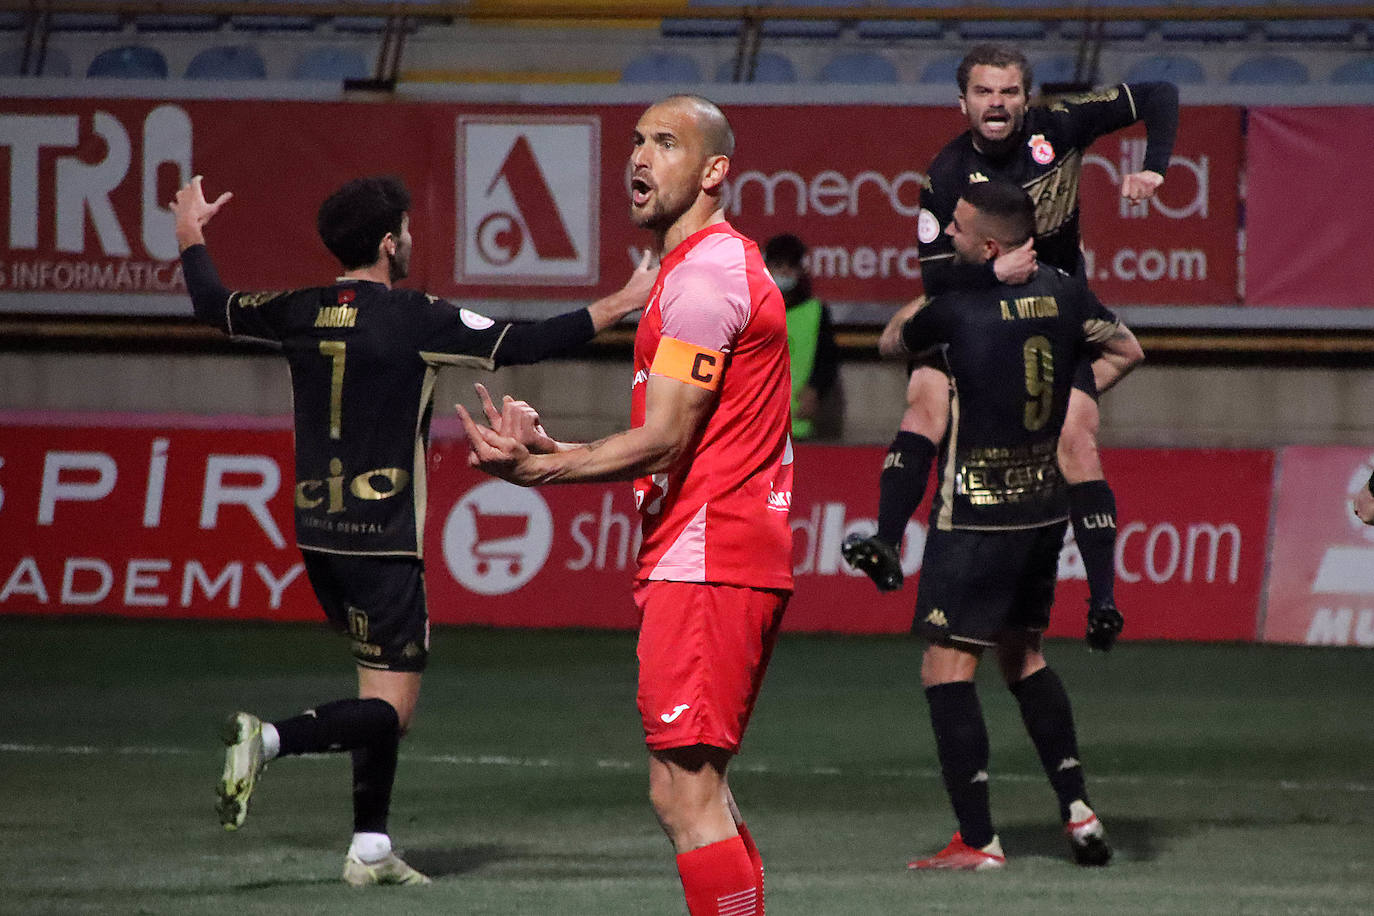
711, 459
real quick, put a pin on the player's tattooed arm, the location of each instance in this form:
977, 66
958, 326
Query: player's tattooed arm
1121, 352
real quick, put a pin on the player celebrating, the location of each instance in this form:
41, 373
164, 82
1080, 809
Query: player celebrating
712, 463
1040, 148
363, 356
991, 560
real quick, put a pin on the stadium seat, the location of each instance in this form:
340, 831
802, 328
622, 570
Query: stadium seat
805, 28
943, 71
1057, 69
661, 67
897, 29
1311, 30
858, 67
330, 63
1354, 71
228, 62
176, 22
1116, 30
768, 68
85, 22
1170, 68
1005, 29
1204, 30
55, 63
1269, 70
700, 28
129, 62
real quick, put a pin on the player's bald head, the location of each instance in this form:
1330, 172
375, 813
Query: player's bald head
717, 137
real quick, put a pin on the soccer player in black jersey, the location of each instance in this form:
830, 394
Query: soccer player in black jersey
997, 523
363, 357
1040, 148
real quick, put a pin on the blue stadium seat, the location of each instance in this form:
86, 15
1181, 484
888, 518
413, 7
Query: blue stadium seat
897, 29
1171, 68
700, 28
129, 62
330, 63
858, 67
55, 62
85, 22
1269, 70
1204, 30
1311, 30
661, 67
176, 22
943, 71
1116, 30
768, 68
229, 62
1354, 71
1057, 69
1006, 29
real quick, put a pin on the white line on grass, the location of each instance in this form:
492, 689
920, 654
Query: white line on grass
551, 763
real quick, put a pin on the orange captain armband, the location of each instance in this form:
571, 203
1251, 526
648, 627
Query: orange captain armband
688, 363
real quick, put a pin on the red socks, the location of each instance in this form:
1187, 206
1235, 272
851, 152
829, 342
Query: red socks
722, 879
754, 858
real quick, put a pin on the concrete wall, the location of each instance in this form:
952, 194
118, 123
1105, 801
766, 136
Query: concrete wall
1157, 406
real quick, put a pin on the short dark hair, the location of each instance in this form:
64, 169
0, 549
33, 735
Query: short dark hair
990, 55
784, 249
716, 132
354, 219
1008, 206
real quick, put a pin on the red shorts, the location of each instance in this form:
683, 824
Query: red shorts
703, 650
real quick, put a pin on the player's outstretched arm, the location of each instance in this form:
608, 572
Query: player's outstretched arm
631, 297
209, 297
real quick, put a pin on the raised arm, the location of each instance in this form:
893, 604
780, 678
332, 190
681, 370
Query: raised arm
209, 297
1157, 105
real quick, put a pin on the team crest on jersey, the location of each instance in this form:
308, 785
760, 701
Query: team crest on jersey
1042, 151
927, 227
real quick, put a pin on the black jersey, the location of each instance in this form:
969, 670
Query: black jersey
1011, 352
363, 361
1046, 162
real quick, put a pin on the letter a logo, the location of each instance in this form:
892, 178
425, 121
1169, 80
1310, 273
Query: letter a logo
528, 200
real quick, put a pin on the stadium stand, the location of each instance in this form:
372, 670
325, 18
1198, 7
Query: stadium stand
330, 62
1269, 70
55, 63
1360, 70
129, 62
227, 62
858, 67
662, 67
1173, 68
769, 67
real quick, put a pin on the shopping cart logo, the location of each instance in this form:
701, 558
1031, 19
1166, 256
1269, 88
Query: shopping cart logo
497, 537
529, 196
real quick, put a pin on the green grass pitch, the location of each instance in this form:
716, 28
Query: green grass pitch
1232, 779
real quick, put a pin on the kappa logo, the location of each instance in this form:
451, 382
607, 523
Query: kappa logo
937, 618
528, 200
671, 717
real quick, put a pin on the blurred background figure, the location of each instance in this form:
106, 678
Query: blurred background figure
817, 403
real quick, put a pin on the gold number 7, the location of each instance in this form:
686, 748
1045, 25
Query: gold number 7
334, 351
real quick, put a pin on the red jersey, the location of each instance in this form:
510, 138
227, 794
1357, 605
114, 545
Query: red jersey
715, 319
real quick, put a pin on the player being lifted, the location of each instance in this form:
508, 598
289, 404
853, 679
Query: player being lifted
1041, 149
363, 357
997, 524
709, 453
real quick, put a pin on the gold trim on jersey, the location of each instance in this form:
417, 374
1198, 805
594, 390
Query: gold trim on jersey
257, 300
421, 496
945, 521
1055, 193
1098, 330
1086, 98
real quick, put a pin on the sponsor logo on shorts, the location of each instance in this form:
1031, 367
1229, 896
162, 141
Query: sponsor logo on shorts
671, 717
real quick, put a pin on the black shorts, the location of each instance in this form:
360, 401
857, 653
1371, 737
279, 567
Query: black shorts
976, 585
378, 602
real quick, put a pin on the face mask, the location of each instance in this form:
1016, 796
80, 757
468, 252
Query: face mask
785, 283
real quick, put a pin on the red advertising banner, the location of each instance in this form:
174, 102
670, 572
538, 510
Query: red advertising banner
528, 202
1303, 236
158, 518
1321, 581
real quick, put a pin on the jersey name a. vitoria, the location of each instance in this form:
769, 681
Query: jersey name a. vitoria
363, 362
716, 320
